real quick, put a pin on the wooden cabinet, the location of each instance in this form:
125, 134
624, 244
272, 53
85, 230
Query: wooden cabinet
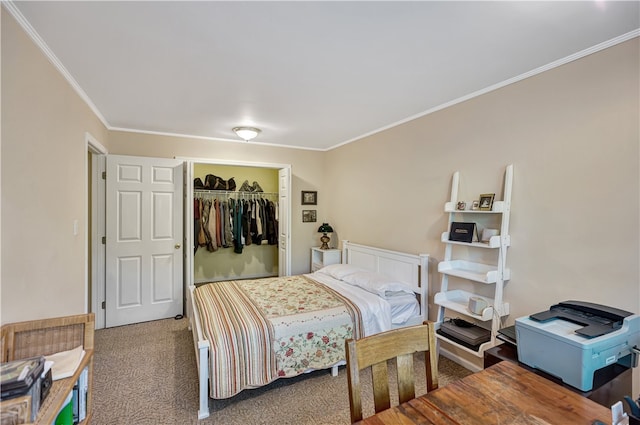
45, 337
324, 257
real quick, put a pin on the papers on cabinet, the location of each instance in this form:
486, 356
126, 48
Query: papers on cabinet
65, 363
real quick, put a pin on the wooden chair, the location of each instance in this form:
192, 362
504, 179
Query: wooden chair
374, 351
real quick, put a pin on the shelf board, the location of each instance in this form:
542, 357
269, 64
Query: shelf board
497, 208
473, 271
480, 353
493, 243
458, 300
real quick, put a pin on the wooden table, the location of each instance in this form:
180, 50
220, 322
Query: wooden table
501, 394
610, 383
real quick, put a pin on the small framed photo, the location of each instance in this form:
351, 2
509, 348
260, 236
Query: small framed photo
475, 205
461, 206
308, 216
486, 201
309, 197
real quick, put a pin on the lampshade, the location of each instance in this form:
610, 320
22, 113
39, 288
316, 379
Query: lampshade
246, 133
325, 228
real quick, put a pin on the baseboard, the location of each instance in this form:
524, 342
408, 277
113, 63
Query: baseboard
461, 361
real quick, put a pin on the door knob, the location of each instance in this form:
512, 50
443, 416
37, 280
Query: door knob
177, 246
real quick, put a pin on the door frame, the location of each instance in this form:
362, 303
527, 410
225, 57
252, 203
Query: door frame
93, 236
188, 228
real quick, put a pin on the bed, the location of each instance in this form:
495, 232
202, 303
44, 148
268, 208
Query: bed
248, 333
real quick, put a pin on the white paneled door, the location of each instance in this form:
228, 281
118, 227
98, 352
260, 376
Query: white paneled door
144, 239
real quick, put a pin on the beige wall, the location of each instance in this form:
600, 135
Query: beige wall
571, 133
44, 156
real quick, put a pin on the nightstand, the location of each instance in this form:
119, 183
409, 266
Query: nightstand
324, 257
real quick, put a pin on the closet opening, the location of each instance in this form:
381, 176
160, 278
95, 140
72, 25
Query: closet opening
236, 234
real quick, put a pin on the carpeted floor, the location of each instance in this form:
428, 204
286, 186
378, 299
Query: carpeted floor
146, 374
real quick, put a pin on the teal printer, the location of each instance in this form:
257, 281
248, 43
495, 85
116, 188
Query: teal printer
574, 339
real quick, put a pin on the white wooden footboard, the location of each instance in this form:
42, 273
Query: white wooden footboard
202, 356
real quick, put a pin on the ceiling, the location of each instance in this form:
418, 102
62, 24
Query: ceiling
309, 74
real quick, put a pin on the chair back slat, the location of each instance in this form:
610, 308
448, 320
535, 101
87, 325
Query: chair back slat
376, 350
406, 382
380, 376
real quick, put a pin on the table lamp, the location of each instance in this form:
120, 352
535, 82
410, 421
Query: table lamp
324, 229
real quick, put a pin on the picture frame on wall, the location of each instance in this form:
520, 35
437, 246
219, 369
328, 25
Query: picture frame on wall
309, 216
309, 197
486, 201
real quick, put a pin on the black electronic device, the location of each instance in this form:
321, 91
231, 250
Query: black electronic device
19, 375
462, 232
24, 377
465, 333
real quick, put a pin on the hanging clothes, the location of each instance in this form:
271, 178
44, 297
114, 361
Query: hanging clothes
228, 228
272, 227
237, 227
202, 240
225, 223
218, 224
196, 224
211, 227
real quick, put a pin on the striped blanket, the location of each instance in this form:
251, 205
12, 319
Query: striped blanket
263, 329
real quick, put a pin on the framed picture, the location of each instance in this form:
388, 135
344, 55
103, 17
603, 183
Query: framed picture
308, 216
461, 205
475, 205
486, 201
309, 197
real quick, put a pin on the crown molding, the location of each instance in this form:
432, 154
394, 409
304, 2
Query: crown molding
33, 34
586, 52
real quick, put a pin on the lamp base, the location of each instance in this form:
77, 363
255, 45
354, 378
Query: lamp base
325, 241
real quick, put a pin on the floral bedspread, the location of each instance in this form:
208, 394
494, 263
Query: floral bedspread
264, 329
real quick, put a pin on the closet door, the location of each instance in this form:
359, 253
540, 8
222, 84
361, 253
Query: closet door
284, 226
144, 239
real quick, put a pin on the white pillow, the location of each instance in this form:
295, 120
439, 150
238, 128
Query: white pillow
378, 284
339, 271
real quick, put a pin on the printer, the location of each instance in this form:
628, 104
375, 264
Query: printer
574, 339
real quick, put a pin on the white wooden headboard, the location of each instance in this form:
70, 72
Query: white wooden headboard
411, 269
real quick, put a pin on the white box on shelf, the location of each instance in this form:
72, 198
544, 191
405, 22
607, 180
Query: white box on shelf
458, 300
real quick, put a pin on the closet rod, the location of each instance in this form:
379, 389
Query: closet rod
241, 194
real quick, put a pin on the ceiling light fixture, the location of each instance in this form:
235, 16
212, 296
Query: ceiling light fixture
246, 133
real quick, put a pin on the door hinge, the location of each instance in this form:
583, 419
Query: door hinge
104, 175
104, 240
104, 305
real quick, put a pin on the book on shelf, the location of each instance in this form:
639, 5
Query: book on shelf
83, 389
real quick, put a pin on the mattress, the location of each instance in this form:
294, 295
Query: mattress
378, 313
403, 307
